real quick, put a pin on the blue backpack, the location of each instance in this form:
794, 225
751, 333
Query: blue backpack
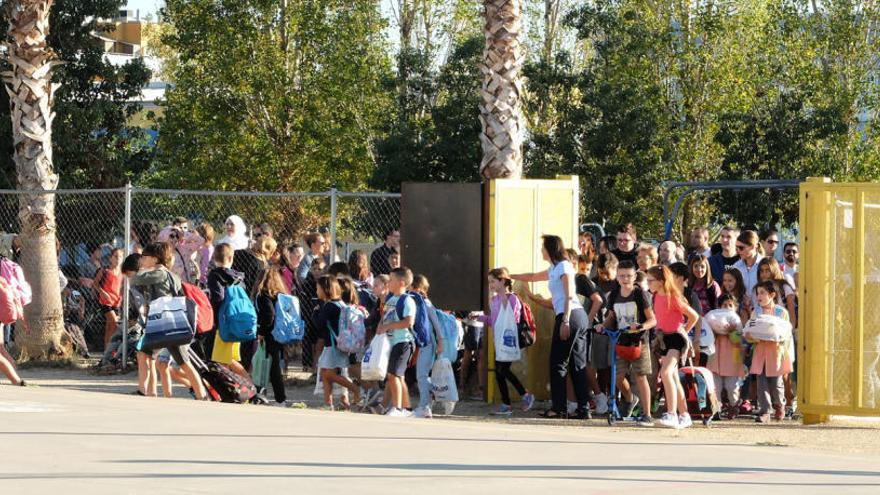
238, 318
289, 325
422, 326
452, 334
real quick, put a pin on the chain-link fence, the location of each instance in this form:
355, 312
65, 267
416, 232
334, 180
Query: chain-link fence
91, 223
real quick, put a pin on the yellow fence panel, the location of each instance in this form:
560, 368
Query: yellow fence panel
839, 339
520, 212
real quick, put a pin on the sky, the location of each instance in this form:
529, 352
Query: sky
145, 6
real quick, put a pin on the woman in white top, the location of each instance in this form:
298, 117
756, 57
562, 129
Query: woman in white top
569, 345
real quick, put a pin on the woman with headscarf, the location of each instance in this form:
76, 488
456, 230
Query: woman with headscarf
236, 233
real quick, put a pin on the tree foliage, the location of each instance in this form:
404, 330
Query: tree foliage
93, 141
272, 95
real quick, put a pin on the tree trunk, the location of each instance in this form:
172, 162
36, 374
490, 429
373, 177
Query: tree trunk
30, 98
500, 116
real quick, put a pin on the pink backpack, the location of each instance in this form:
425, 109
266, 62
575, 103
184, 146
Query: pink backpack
10, 304
11, 271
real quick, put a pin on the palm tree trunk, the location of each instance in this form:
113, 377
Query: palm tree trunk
30, 98
500, 117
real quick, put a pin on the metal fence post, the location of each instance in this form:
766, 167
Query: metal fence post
125, 295
333, 197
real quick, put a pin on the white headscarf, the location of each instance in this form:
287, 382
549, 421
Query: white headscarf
239, 239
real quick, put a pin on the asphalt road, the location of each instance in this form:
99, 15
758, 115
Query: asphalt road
68, 441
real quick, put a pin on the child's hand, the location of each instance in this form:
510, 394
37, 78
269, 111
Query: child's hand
439, 350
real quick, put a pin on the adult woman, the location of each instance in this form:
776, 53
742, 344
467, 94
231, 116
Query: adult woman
291, 256
568, 348
236, 233
647, 257
749, 251
155, 280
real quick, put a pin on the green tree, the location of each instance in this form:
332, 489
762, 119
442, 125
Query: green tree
272, 95
94, 144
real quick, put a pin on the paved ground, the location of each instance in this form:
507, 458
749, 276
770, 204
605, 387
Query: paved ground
71, 441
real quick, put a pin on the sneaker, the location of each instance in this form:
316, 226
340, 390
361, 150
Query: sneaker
646, 421
423, 412
669, 420
396, 413
601, 404
630, 406
745, 407
528, 401
407, 413
762, 418
503, 410
328, 407
581, 413
571, 407
684, 421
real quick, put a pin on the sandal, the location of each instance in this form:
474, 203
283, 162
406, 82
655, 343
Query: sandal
551, 414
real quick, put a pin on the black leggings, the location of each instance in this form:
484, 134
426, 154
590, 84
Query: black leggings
276, 370
569, 357
503, 374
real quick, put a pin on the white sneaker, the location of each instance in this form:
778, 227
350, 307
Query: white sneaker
669, 420
572, 407
684, 421
423, 412
397, 413
601, 403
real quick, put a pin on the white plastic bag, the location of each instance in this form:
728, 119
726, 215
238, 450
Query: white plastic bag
443, 381
723, 321
374, 366
707, 339
506, 337
768, 328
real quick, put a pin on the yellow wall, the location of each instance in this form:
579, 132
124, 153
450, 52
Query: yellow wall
520, 212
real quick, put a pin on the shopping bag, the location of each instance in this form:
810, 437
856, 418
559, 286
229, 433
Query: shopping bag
374, 366
260, 365
443, 381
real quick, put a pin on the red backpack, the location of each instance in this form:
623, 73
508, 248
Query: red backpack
10, 303
205, 314
528, 331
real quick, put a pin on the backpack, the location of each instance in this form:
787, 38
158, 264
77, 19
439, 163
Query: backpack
204, 313
10, 304
289, 326
13, 274
421, 328
526, 328
238, 318
451, 333
352, 331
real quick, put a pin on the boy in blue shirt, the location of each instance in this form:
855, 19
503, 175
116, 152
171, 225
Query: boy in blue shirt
398, 327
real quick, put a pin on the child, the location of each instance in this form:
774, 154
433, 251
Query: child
770, 360
374, 397
394, 260
427, 354
629, 310
402, 341
593, 300
505, 307
701, 284
268, 289
332, 361
221, 277
205, 254
671, 309
108, 284
727, 362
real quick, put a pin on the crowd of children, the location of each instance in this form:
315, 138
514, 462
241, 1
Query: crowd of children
673, 307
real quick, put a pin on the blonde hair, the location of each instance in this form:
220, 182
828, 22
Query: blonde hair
206, 230
272, 283
265, 247
420, 283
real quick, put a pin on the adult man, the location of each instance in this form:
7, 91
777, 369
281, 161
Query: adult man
699, 243
727, 257
263, 230
791, 255
666, 253
626, 244
316, 245
379, 258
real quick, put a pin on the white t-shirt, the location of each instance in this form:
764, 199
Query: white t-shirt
750, 277
557, 290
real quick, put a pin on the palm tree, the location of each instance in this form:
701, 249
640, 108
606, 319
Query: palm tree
500, 117
30, 98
